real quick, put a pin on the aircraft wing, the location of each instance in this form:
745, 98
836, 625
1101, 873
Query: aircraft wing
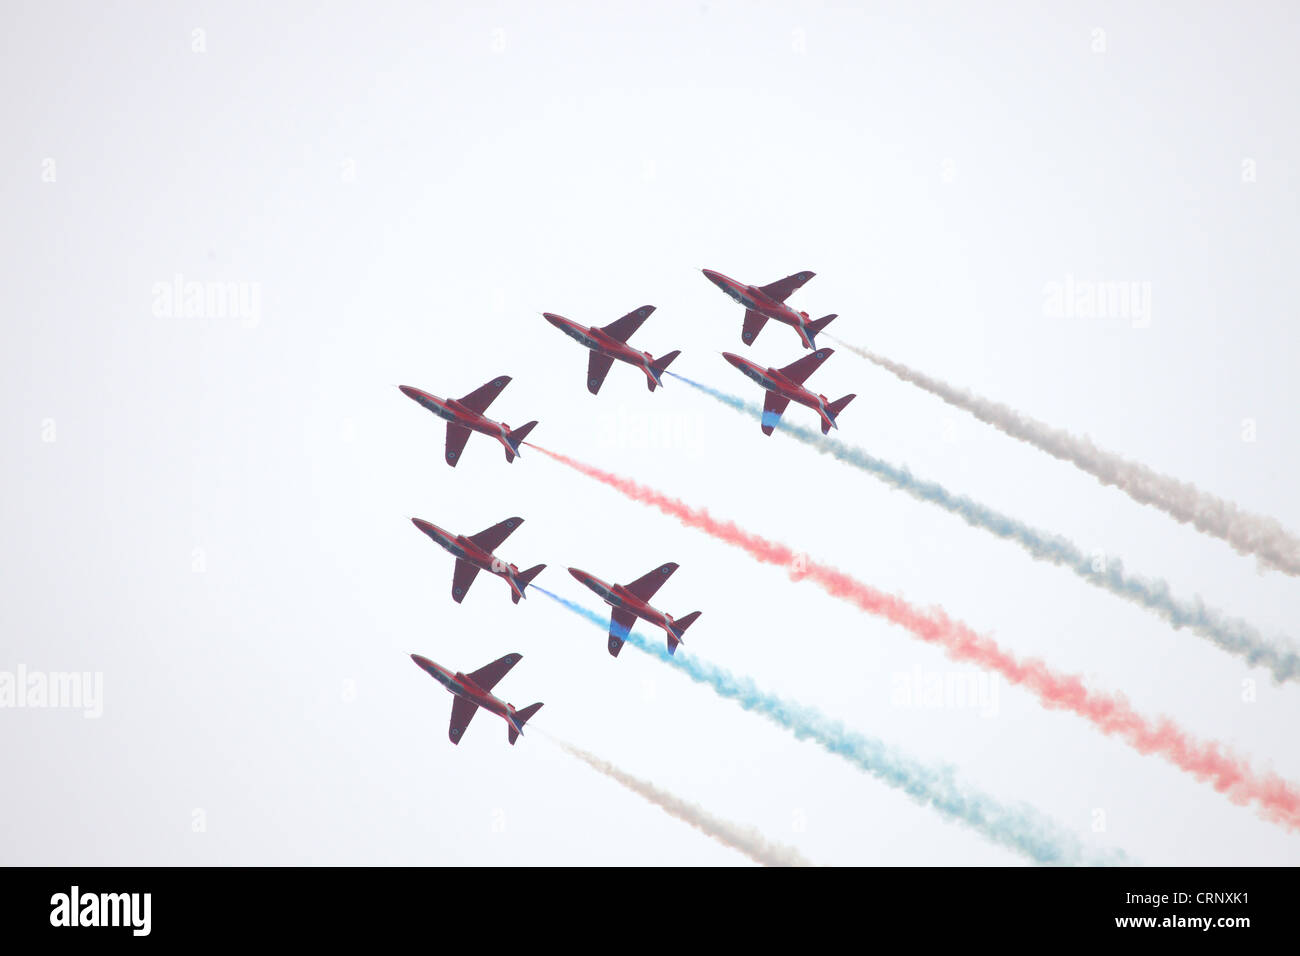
457, 436
645, 586
754, 322
461, 579
782, 288
598, 366
773, 406
490, 675
462, 712
620, 626
799, 370
490, 538
483, 396
623, 328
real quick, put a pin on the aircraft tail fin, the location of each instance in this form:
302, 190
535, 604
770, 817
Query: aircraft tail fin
519, 718
657, 368
515, 438
677, 628
833, 410
817, 325
523, 579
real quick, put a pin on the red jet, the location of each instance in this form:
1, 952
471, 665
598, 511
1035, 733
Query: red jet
474, 554
629, 603
610, 343
473, 691
768, 302
465, 415
785, 385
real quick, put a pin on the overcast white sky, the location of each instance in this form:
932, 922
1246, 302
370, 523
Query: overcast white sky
213, 512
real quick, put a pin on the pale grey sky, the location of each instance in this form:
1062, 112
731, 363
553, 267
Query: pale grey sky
212, 511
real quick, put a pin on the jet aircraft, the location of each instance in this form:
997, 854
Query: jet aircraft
768, 302
785, 385
631, 601
465, 415
474, 690
474, 554
610, 343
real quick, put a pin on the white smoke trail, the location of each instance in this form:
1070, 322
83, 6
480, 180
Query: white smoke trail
1247, 533
746, 840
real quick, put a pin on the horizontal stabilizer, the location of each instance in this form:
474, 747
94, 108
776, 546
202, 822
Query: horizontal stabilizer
524, 578
816, 326
677, 628
515, 437
521, 718
657, 368
834, 409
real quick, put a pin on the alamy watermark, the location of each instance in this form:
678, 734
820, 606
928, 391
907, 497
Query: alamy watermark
650, 430
61, 690
946, 690
127, 910
1074, 298
183, 298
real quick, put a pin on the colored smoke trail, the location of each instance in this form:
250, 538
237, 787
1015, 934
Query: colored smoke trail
1277, 799
1233, 635
1019, 828
1247, 533
746, 840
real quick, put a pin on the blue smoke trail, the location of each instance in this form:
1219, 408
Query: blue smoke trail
1229, 634
1018, 828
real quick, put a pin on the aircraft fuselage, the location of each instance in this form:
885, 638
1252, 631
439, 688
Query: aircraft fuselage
466, 550
598, 340
462, 685
452, 411
620, 598
774, 381
756, 300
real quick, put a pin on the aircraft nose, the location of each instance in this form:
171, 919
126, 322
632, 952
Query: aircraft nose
733, 359
714, 277
423, 525
410, 392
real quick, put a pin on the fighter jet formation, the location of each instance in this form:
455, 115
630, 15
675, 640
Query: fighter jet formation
629, 603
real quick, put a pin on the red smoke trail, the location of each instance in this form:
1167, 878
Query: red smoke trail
1277, 799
